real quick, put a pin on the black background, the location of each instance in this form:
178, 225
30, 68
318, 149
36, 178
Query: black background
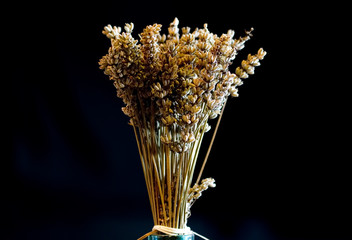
279, 159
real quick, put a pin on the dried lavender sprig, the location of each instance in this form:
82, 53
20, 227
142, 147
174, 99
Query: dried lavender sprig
172, 85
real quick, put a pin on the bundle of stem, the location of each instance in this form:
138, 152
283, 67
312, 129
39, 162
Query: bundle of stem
168, 174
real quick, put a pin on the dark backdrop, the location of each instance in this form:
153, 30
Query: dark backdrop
279, 159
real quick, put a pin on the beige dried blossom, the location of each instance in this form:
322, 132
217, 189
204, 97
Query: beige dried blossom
196, 191
171, 86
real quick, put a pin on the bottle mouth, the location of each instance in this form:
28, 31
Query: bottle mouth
168, 237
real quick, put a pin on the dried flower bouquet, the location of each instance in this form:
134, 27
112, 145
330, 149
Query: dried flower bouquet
171, 86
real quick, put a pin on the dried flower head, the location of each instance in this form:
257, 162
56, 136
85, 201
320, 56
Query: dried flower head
189, 72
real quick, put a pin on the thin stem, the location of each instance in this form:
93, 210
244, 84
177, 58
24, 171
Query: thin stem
211, 144
176, 198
